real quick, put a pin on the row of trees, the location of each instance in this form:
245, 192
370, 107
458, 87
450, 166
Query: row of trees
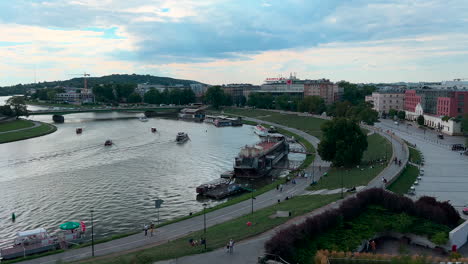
174, 96
47, 94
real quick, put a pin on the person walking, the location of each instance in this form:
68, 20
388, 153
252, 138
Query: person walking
373, 246
231, 246
151, 229
145, 227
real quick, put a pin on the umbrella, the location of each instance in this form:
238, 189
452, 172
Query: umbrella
69, 225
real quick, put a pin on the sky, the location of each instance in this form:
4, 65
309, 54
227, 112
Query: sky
237, 41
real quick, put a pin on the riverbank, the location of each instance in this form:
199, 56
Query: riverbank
24, 129
45, 104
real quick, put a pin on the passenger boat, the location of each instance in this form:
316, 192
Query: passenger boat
181, 137
258, 160
154, 130
143, 119
260, 131
108, 143
79, 130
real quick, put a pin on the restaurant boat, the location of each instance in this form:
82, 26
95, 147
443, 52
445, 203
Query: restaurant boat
258, 160
261, 131
181, 137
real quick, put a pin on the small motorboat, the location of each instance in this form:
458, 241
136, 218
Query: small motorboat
261, 131
108, 143
79, 130
181, 137
154, 130
143, 119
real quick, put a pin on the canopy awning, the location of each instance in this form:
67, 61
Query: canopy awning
31, 232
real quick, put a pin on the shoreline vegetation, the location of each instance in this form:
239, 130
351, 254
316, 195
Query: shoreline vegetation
28, 130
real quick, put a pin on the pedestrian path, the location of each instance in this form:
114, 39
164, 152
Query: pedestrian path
182, 228
36, 124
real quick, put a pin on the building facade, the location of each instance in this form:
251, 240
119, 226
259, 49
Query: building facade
280, 86
323, 88
384, 101
437, 102
455, 104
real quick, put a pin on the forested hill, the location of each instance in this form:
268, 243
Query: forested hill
92, 81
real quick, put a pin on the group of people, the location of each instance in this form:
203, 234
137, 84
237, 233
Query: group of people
195, 242
397, 161
150, 228
371, 246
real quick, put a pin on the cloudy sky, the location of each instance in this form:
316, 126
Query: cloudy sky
228, 41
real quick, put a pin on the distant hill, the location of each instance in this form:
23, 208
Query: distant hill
92, 81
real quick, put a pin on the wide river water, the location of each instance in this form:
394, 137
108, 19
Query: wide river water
59, 177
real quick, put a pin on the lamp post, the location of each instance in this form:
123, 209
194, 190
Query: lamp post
252, 196
342, 184
204, 223
92, 233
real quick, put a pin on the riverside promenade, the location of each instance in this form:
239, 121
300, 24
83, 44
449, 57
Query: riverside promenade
185, 227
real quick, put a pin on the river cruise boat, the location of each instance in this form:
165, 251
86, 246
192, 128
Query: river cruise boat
79, 130
181, 137
108, 143
258, 160
261, 131
30, 242
219, 188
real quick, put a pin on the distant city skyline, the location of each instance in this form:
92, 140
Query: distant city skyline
244, 41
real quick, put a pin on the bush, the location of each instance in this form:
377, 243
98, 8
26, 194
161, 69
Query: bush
287, 242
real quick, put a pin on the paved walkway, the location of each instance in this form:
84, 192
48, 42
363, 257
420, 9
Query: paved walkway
36, 124
246, 251
180, 229
249, 250
445, 170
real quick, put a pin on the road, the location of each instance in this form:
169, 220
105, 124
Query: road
445, 171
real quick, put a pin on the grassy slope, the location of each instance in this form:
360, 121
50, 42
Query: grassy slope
402, 184
41, 130
377, 146
218, 236
16, 124
414, 155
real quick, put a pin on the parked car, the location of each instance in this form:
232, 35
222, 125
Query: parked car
457, 147
440, 136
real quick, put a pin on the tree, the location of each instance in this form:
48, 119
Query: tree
354, 93
104, 93
401, 115
261, 100
134, 98
343, 142
153, 96
6, 110
18, 105
215, 96
392, 113
312, 104
123, 91
368, 116
420, 120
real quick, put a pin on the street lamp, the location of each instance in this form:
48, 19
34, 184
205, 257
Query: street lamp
252, 196
204, 223
92, 233
342, 184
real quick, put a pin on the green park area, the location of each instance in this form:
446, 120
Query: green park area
378, 148
402, 184
42, 129
217, 236
16, 124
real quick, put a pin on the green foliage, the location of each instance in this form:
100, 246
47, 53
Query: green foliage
18, 105
360, 112
401, 115
260, 100
312, 104
349, 235
153, 96
392, 113
134, 98
104, 93
286, 102
420, 120
123, 91
354, 93
343, 142
440, 238
6, 110
445, 118
215, 96
402, 184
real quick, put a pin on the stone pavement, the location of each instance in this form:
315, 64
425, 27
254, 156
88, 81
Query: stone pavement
445, 171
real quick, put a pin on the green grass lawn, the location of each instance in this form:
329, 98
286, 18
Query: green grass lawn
16, 124
377, 147
414, 155
43, 129
402, 184
309, 125
218, 235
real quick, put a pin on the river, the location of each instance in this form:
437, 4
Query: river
60, 177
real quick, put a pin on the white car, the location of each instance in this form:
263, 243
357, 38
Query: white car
396, 123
